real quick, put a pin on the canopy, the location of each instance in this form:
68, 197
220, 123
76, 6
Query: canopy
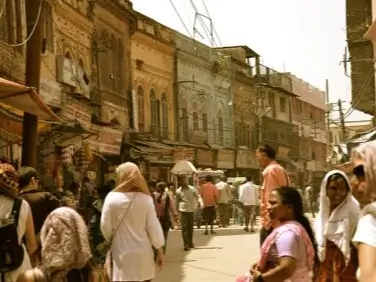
183, 167
18, 98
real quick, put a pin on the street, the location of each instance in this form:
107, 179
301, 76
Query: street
220, 257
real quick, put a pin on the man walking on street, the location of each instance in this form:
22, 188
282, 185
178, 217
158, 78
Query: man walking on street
209, 194
273, 175
187, 201
248, 196
225, 197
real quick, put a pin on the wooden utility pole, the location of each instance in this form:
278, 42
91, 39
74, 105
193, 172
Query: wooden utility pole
342, 119
33, 62
327, 116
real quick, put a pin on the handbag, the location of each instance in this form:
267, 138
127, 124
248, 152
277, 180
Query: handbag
108, 265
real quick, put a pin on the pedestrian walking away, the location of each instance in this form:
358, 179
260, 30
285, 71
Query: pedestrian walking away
209, 195
224, 201
248, 196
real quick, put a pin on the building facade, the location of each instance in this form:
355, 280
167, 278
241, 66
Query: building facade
360, 21
308, 114
153, 56
203, 99
352, 128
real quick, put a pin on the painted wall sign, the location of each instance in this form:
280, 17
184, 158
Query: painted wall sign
205, 158
50, 91
76, 109
226, 159
107, 140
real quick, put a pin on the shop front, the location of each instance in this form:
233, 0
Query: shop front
226, 161
246, 164
182, 153
205, 159
160, 163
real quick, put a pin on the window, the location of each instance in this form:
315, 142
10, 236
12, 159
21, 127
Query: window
195, 116
164, 111
195, 121
154, 113
47, 27
141, 109
185, 120
220, 128
282, 104
205, 122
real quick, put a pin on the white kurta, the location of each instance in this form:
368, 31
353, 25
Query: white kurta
132, 251
6, 205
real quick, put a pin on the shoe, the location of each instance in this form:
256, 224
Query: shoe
186, 248
191, 245
206, 232
213, 232
246, 229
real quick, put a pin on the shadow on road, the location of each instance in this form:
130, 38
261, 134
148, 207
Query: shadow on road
176, 257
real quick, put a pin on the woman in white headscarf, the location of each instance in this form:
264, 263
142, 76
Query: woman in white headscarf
335, 226
129, 221
363, 159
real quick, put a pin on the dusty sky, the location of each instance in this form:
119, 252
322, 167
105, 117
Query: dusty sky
307, 38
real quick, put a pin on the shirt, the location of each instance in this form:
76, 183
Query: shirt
130, 220
187, 199
248, 194
225, 194
274, 176
209, 194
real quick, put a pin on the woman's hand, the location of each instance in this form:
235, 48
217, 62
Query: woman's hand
160, 260
254, 266
255, 273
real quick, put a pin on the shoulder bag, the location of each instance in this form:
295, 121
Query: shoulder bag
108, 265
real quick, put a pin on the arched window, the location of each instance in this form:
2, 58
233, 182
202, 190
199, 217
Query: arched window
164, 111
204, 119
141, 109
154, 120
185, 121
195, 116
220, 128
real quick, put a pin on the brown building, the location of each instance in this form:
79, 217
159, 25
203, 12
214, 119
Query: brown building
153, 69
361, 57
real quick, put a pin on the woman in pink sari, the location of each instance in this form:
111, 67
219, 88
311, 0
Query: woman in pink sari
289, 253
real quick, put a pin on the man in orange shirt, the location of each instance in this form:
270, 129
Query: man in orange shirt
273, 175
209, 195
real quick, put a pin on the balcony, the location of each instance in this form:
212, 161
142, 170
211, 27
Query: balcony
274, 79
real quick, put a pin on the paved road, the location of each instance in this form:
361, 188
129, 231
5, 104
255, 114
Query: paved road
217, 258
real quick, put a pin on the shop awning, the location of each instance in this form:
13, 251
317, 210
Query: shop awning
18, 99
183, 167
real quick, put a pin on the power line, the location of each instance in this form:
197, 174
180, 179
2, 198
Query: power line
214, 29
181, 19
33, 30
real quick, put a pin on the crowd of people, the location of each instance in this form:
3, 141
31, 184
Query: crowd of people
119, 231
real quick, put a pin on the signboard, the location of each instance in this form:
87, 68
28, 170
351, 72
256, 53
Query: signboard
107, 141
187, 154
76, 109
226, 159
114, 114
243, 159
50, 91
162, 157
205, 158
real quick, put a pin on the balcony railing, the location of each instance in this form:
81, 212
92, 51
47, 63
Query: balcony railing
273, 78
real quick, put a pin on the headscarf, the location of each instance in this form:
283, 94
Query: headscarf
8, 181
367, 151
339, 226
130, 179
65, 244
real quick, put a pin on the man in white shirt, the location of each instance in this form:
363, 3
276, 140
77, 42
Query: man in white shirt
224, 201
248, 196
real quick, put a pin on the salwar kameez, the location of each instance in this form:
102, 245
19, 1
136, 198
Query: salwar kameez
334, 268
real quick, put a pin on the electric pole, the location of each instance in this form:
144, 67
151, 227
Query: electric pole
342, 119
32, 78
327, 116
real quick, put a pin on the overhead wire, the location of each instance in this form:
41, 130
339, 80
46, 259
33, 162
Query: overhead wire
180, 18
33, 29
214, 29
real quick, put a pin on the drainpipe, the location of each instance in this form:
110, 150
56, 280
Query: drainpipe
176, 97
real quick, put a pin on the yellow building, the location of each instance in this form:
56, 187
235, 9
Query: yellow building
153, 80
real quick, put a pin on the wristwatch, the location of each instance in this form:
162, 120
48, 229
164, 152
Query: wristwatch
259, 278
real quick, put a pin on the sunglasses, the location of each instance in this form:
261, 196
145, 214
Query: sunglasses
359, 172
